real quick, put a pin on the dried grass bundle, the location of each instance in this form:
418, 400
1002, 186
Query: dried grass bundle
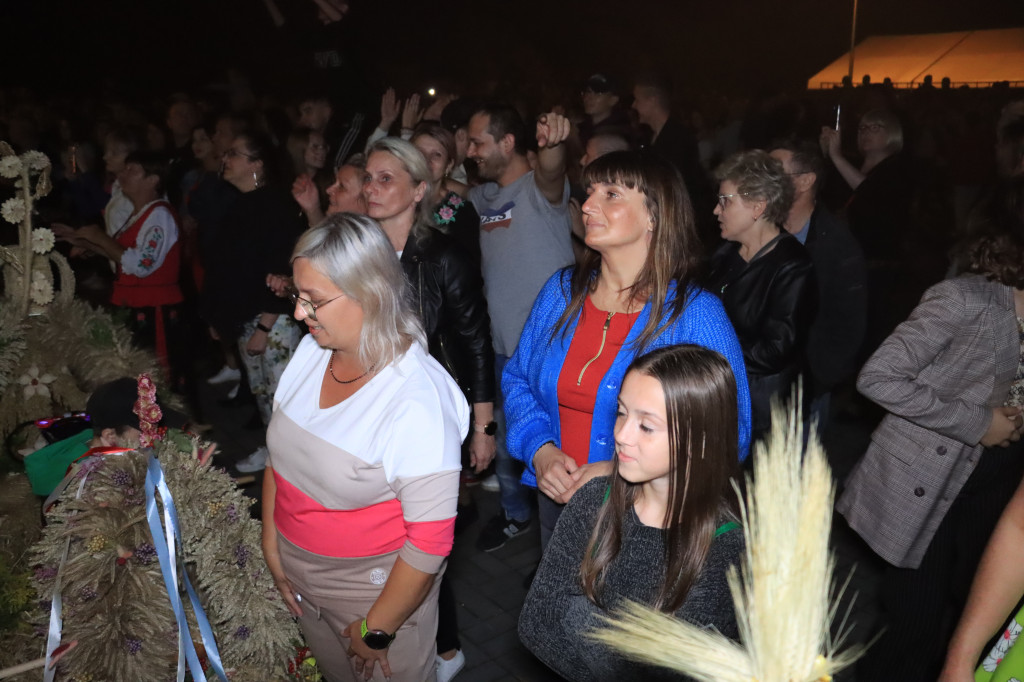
784, 593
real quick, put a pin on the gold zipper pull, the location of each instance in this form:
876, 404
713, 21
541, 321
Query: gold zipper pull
604, 336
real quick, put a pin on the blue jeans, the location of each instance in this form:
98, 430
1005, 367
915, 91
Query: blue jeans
515, 499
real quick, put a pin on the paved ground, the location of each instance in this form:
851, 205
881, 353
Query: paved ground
489, 587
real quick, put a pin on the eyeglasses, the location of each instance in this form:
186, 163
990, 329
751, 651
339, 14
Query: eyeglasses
309, 307
723, 199
232, 152
873, 127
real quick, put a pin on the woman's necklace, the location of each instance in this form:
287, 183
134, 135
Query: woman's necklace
330, 368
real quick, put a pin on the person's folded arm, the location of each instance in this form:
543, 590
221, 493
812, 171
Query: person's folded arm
890, 376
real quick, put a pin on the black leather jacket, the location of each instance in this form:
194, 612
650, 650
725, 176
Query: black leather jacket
771, 302
448, 295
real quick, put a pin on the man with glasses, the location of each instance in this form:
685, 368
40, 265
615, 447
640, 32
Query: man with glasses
837, 332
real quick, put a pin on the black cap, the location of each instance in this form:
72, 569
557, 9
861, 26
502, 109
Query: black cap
110, 405
600, 83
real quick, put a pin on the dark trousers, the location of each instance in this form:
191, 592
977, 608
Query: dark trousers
922, 605
447, 619
548, 511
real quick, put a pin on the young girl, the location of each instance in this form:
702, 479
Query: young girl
660, 530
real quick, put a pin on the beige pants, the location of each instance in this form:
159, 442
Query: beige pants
337, 591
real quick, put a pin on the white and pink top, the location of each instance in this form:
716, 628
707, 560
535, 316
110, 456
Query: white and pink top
376, 473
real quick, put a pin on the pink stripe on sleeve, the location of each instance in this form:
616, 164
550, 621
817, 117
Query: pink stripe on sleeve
432, 537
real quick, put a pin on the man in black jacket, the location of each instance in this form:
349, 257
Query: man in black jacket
674, 141
838, 329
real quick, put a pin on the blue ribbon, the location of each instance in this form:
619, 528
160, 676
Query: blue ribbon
164, 541
57, 606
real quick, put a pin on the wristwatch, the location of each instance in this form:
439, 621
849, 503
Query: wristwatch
489, 429
375, 639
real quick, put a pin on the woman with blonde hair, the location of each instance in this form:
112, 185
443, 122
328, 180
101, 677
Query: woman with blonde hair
359, 496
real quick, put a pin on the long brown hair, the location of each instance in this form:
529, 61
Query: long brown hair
674, 251
700, 406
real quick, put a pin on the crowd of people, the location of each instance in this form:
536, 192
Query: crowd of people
599, 303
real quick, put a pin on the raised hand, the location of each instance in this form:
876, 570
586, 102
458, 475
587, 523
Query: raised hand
830, 141
552, 130
389, 108
411, 113
281, 285
433, 112
305, 194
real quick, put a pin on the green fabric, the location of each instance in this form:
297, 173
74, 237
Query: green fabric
46, 467
726, 527
1005, 662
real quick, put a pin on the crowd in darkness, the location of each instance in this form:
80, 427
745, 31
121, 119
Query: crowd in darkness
857, 237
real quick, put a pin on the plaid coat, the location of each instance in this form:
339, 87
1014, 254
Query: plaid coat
939, 375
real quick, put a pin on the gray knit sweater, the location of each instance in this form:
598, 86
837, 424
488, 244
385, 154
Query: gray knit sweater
557, 613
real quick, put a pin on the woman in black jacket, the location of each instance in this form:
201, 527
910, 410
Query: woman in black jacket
446, 285
256, 236
763, 275
448, 297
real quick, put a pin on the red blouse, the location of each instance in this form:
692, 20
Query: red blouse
595, 343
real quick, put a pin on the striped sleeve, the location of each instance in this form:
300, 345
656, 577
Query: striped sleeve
428, 508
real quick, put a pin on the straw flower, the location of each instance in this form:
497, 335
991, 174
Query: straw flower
41, 291
13, 210
42, 240
10, 166
34, 383
35, 160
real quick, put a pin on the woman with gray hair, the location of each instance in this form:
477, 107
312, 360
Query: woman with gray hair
359, 496
763, 275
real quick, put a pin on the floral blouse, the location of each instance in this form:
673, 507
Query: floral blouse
156, 237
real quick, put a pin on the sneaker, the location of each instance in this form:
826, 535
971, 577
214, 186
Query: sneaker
500, 530
490, 484
446, 670
233, 393
225, 375
257, 461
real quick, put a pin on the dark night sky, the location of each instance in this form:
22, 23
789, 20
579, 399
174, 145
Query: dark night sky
729, 45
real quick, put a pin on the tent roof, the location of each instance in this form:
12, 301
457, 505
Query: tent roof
965, 57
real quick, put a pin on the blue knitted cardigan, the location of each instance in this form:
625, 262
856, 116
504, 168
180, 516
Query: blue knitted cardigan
530, 380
